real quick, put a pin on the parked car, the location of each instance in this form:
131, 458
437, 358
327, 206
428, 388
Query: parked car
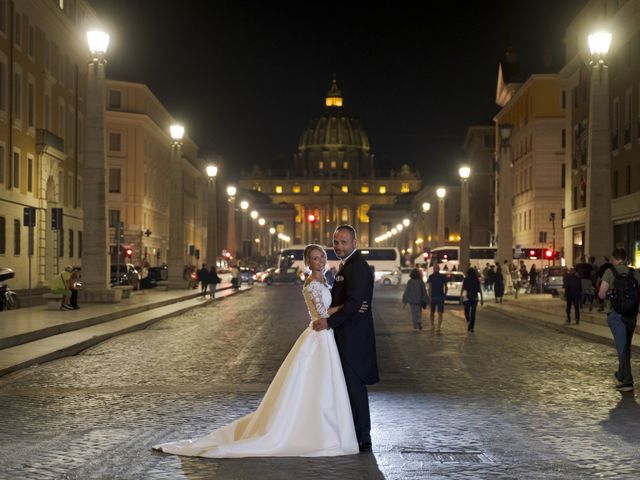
262, 276
553, 278
454, 286
158, 274
129, 275
247, 275
391, 278
290, 275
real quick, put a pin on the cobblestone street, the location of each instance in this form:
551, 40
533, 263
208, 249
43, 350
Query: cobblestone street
511, 401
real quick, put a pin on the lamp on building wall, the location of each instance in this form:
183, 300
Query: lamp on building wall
95, 260
176, 261
441, 193
504, 220
231, 220
212, 216
465, 228
599, 226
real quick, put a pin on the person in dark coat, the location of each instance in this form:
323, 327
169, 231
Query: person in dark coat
533, 279
203, 275
573, 293
212, 281
498, 287
470, 291
353, 328
415, 294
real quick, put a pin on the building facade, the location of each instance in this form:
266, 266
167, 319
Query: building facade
333, 179
623, 21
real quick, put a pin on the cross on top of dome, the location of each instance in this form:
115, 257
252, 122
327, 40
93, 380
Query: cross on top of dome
334, 95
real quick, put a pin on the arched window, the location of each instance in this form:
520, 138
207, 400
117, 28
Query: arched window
363, 213
344, 215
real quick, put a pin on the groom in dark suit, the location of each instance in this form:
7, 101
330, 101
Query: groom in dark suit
353, 328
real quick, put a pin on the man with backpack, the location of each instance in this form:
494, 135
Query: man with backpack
621, 286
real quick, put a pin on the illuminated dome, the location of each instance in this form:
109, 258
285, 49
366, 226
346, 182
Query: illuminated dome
334, 145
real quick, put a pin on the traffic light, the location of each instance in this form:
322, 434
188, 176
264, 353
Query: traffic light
312, 218
128, 252
548, 254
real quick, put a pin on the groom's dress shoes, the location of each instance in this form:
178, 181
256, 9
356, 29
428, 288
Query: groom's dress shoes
365, 446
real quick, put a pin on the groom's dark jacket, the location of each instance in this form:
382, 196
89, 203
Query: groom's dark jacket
354, 332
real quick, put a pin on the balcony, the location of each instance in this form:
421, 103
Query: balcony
45, 138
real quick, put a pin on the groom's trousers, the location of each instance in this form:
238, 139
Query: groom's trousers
359, 400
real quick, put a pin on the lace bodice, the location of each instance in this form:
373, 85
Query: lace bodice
318, 298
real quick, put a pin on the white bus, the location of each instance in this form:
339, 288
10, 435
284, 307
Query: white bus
382, 260
448, 258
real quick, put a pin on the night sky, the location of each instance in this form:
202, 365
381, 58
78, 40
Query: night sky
246, 77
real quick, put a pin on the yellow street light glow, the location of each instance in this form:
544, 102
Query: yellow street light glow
244, 204
394, 231
441, 192
599, 43
177, 132
261, 222
399, 227
212, 171
426, 206
464, 172
272, 231
98, 42
406, 222
254, 214
231, 191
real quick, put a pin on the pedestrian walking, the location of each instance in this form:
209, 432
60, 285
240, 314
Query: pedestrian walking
620, 285
470, 291
212, 281
533, 279
585, 272
235, 277
73, 286
498, 287
491, 277
60, 284
203, 278
603, 268
437, 283
144, 277
485, 276
415, 294
506, 276
572, 294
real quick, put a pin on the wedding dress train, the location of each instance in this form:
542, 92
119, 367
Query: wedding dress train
305, 411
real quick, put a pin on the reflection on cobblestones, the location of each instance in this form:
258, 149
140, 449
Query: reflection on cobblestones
513, 401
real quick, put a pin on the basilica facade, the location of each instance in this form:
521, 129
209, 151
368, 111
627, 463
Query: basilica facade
332, 178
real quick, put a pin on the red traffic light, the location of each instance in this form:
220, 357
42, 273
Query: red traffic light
532, 253
312, 218
548, 254
128, 252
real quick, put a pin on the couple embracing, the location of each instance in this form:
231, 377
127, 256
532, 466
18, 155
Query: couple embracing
317, 404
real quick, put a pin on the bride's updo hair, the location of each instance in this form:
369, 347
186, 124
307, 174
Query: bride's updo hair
307, 254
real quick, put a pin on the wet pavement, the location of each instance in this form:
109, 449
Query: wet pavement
511, 401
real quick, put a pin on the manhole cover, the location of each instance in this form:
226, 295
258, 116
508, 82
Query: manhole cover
445, 457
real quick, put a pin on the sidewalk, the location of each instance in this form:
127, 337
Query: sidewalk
34, 335
550, 312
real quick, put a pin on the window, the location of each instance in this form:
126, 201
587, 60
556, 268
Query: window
61, 118
115, 141
564, 99
3, 86
16, 170
2, 164
115, 98
563, 139
345, 164
333, 164
114, 218
296, 189
31, 104
114, 180
615, 124
29, 174
16, 237
3, 236
3, 16
628, 179
31, 46
17, 30
316, 188
345, 188
615, 184
364, 188
382, 189
69, 189
404, 187
627, 117
562, 176
320, 164
278, 188
17, 95
344, 215
70, 243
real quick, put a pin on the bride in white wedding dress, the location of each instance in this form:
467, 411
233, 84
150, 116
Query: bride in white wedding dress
305, 411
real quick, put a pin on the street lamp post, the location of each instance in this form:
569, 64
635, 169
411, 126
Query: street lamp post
95, 255
272, 232
465, 241
441, 193
552, 219
176, 262
426, 206
244, 205
212, 216
231, 220
599, 227
505, 234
